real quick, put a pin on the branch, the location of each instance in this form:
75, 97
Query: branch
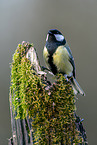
41, 112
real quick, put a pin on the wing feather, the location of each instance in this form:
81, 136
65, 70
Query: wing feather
71, 59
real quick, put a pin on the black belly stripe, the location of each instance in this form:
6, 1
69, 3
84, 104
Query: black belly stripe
53, 68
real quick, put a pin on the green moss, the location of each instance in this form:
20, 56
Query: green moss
52, 111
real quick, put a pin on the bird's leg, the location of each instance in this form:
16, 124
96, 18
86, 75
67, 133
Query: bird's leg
65, 75
44, 68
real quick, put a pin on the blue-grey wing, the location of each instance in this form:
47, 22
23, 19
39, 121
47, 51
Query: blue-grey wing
71, 59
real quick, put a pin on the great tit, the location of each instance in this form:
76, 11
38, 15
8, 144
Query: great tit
59, 59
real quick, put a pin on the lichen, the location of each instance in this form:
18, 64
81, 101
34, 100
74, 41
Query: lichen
51, 110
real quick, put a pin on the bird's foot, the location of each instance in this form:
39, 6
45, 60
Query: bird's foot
44, 68
65, 75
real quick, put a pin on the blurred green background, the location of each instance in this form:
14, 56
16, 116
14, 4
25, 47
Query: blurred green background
30, 20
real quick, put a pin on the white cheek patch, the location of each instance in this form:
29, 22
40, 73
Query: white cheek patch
59, 37
47, 37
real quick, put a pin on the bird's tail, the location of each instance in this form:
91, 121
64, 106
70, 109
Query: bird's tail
76, 87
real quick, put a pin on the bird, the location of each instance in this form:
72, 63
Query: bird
58, 58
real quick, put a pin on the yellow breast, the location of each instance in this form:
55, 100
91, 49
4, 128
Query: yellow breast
45, 55
61, 60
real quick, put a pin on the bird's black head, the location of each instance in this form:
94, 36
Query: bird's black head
55, 36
